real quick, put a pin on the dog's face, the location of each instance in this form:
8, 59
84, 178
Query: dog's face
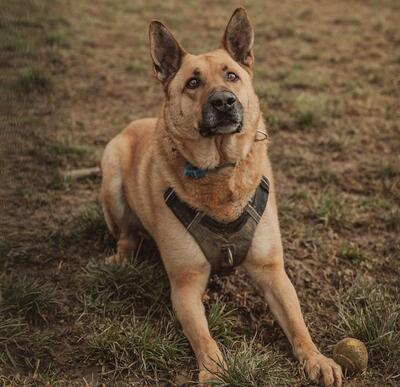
209, 95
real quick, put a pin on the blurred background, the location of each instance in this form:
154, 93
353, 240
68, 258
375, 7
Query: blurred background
75, 73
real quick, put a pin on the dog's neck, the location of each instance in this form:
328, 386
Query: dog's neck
224, 193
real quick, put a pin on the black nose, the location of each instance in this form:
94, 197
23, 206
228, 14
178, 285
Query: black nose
222, 100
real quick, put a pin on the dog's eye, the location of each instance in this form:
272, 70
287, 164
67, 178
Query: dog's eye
232, 77
193, 83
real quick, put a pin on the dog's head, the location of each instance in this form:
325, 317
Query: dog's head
208, 96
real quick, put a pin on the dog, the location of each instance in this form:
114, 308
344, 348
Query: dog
204, 152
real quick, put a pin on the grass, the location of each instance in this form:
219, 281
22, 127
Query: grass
29, 298
335, 143
33, 79
299, 78
372, 315
221, 323
4, 248
63, 154
309, 111
387, 170
12, 43
392, 219
59, 38
249, 365
137, 66
331, 208
271, 92
21, 346
91, 222
115, 288
320, 143
352, 253
137, 348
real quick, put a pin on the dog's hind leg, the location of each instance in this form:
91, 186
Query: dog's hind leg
119, 217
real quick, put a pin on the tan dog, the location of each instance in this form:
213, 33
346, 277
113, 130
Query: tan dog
210, 118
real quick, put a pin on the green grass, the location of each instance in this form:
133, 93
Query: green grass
391, 219
11, 329
249, 365
331, 208
33, 80
59, 38
91, 222
66, 149
115, 288
299, 78
271, 92
21, 346
326, 177
88, 225
4, 248
29, 298
352, 253
335, 143
372, 315
221, 323
137, 348
138, 67
387, 170
10, 42
309, 111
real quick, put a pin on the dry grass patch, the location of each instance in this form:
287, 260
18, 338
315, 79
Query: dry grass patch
138, 348
252, 365
309, 111
221, 323
372, 315
332, 208
29, 298
21, 346
33, 79
299, 78
140, 286
351, 253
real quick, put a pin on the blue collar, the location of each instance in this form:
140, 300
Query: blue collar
190, 170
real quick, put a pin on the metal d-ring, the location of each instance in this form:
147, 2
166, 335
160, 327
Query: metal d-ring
265, 136
230, 255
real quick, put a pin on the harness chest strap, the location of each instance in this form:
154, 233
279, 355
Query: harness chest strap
225, 245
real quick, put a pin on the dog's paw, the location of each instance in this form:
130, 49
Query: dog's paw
116, 259
210, 369
323, 370
206, 377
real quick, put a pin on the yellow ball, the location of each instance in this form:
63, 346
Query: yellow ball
351, 354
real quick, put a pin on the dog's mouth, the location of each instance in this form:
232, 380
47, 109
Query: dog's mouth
222, 114
225, 126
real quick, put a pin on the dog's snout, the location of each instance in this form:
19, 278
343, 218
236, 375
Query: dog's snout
223, 100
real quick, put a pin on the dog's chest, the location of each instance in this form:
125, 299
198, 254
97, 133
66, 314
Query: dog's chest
225, 245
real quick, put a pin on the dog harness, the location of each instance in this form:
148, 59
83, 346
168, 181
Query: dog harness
225, 245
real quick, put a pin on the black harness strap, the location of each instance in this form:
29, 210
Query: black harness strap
225, 245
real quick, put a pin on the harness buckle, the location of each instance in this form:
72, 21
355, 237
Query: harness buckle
228, 250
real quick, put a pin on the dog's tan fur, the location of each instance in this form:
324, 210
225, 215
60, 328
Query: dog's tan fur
149, 155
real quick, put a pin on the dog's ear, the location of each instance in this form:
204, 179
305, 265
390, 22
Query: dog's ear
239, 37
165, 51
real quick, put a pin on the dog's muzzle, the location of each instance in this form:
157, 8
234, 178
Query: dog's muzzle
222, 114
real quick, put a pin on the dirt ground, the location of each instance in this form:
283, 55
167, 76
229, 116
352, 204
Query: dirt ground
75, 73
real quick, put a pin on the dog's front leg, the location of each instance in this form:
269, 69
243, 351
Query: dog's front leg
270, 276
187, 288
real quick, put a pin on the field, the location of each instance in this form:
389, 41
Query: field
73, 74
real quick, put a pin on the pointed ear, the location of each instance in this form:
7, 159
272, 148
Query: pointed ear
165, 51
239, 37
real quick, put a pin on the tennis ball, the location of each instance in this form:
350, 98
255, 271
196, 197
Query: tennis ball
351, 354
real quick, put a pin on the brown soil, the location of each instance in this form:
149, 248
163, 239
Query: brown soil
338, 175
